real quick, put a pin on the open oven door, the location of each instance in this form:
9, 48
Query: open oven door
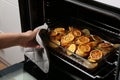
32, 16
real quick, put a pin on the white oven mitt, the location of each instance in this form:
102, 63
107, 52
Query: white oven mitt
39, 56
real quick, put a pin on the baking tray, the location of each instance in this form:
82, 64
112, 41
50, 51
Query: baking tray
76, 61
81, 60
95, 30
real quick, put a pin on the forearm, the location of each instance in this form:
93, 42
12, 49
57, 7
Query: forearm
9, 39
26, 39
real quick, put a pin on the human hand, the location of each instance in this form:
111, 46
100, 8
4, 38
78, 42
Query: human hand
29, 39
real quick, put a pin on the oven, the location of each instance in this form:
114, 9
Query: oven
102, 20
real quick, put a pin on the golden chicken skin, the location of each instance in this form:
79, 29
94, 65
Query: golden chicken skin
57, 31
105, 47
92, 44
76, 32
83, 50
97, 38
82, 40
95, 55
53, 43
66, 39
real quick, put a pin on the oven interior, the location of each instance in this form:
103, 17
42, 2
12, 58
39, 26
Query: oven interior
80, 14
98, 21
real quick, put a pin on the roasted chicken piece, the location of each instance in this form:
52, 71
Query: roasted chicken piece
58, 37
92, 44
97, 38
54, 45
72, 48
76, 32
66, 39
82, 40
105, 47
57, 31
95, 55
83, 50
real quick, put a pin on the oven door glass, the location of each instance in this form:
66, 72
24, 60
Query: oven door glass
15, 72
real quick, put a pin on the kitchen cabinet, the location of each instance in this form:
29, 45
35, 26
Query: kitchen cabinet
10, 22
